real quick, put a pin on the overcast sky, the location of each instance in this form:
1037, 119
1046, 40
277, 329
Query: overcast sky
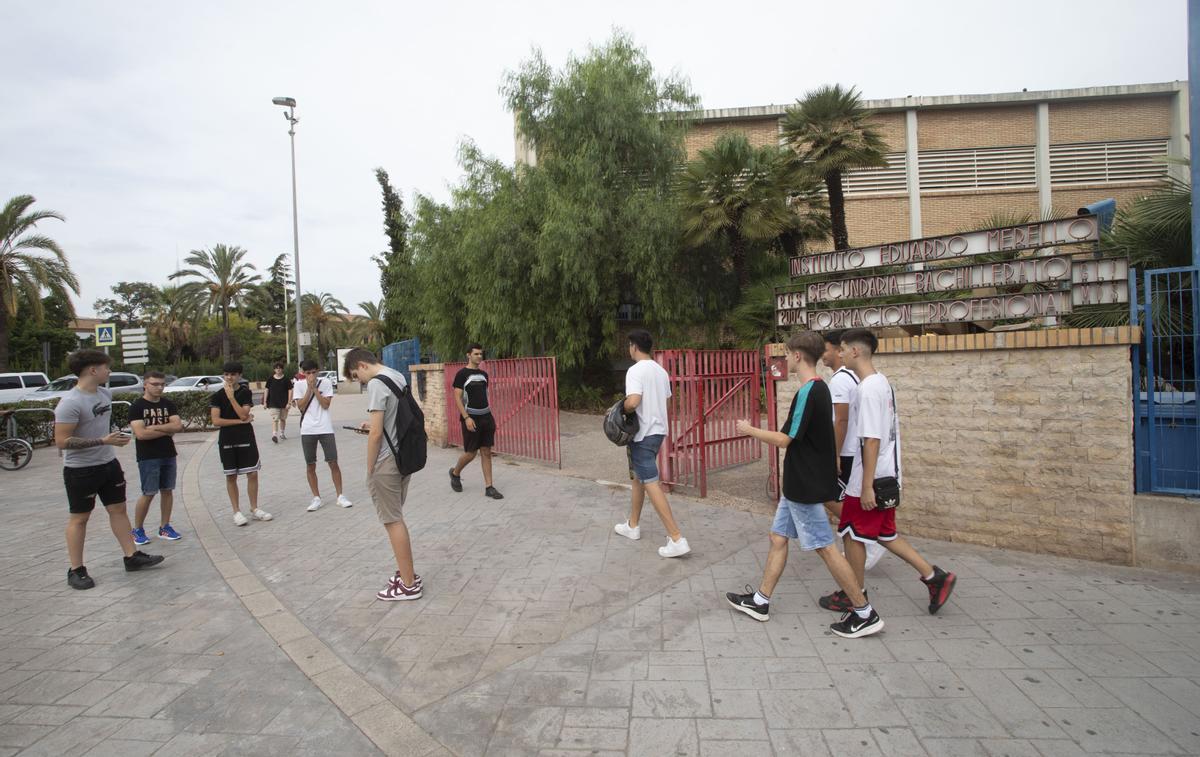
149, 125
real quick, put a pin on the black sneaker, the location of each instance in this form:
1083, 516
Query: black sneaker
837, 601
455, 481
78, 578
940, 588
139, 560
745, 603
852, 627
492, 492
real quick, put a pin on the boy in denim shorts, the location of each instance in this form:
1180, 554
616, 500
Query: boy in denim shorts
810, 479
647, 387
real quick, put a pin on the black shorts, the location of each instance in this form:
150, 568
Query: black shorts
844, 476
239, 457
84, 484
484, 434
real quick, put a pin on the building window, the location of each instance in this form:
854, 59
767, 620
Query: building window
1107, 162
982, 168
629, 311
868, 181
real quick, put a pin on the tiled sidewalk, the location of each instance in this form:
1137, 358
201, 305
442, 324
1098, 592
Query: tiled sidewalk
542, 632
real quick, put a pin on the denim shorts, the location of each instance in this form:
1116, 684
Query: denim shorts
156, 474
807, 523
643, 459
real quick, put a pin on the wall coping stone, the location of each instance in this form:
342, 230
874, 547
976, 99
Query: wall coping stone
1002, 340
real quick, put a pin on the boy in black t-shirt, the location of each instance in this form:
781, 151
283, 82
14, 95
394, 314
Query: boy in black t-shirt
809, 480
478, 425
230, 412
154, 420
277, 396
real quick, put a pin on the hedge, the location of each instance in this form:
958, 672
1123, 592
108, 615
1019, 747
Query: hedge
39, 427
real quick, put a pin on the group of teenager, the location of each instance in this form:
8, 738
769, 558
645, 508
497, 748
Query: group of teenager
839, 439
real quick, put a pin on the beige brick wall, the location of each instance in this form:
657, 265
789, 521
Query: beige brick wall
1110, 120
1067, 201
430, 381
965, 211
1027, 449
891, 127
966, 128
761, 132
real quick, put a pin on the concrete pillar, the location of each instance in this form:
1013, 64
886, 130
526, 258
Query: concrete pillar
1041, 158
1178, 146
912, 173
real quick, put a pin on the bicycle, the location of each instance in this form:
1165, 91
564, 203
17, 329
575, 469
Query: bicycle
15, 452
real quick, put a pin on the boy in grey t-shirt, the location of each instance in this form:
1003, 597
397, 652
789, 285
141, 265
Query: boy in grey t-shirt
82, 420
387, 485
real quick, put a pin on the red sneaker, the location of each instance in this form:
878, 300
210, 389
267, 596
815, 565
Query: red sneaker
940, 587
396, 591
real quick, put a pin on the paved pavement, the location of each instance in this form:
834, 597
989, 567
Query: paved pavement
542, 632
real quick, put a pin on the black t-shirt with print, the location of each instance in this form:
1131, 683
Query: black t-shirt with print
153, 414
474, 384
810, 463
220, 400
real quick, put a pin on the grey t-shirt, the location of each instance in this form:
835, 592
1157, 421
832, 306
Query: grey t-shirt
92, 416
380, 397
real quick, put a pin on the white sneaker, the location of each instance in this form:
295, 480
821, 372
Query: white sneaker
875, 551
282, 434
239, 519
341, 500
675, 548
624, 529
315, 505
261, 515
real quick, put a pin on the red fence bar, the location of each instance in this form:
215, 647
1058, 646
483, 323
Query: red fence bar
523, 393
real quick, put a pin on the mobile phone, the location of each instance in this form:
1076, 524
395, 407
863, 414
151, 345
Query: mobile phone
358, 429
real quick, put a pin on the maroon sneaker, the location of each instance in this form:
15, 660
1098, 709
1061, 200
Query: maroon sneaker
396, 591
940, 587
837, 601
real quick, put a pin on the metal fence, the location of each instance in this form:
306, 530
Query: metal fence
1165, 370
399, 355
523, 395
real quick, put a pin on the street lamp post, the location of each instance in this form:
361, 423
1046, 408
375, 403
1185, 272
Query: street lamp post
290, 104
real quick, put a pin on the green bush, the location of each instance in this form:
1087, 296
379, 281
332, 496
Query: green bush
39, 427
580, 397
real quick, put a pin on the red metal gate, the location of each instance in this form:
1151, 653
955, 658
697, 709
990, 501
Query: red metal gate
711, 390
523, 394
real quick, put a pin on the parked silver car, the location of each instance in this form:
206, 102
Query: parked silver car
194, 384
117, 382
14, 386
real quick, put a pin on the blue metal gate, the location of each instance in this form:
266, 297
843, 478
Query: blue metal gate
1167, 431
399, 355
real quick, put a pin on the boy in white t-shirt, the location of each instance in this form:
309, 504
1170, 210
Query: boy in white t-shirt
647, 387
878, 456
312, 398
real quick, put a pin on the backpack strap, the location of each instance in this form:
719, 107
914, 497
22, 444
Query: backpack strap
399, 392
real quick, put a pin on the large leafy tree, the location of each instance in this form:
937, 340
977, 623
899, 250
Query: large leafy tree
740, 194
832, 133
268, 303
53, 329
175, 322
133, 302
395, 264
221, 278
30, 264
326, 315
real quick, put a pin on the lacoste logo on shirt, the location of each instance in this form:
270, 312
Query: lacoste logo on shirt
100, 408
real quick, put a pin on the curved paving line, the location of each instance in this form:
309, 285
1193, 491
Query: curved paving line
394, 732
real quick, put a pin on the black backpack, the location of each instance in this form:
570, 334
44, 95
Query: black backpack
620, 427
409, 447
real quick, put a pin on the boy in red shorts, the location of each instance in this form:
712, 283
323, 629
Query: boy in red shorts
878, 456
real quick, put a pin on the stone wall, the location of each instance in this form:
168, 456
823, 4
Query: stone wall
429, 380
1022, 440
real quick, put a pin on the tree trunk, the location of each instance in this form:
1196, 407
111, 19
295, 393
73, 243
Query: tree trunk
224, 333
837, 210
737, 252
3, 333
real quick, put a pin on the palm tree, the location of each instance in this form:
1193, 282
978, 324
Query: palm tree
23, 272
173, 323
370, 328
737, 193
832, 133
324, 313
221, 279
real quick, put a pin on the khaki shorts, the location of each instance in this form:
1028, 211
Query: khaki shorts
277, 412
388, 489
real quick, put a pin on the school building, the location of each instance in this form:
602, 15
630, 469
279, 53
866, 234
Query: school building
957, 161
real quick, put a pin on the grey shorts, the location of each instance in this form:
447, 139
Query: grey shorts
389, 489
328, 445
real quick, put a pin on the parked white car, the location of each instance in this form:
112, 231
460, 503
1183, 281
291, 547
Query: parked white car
117, 382
194, 384
331, 375
14, 386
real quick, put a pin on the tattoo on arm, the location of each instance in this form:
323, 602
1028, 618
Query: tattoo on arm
76, 443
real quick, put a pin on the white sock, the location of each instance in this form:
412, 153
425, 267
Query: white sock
930, 576
760, 600
863, 612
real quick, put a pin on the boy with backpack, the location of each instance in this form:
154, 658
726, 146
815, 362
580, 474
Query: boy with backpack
397, 427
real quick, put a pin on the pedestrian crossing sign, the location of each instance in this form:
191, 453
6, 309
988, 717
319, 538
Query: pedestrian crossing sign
106, 334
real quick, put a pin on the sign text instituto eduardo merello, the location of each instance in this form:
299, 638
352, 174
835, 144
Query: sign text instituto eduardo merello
1068, 282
